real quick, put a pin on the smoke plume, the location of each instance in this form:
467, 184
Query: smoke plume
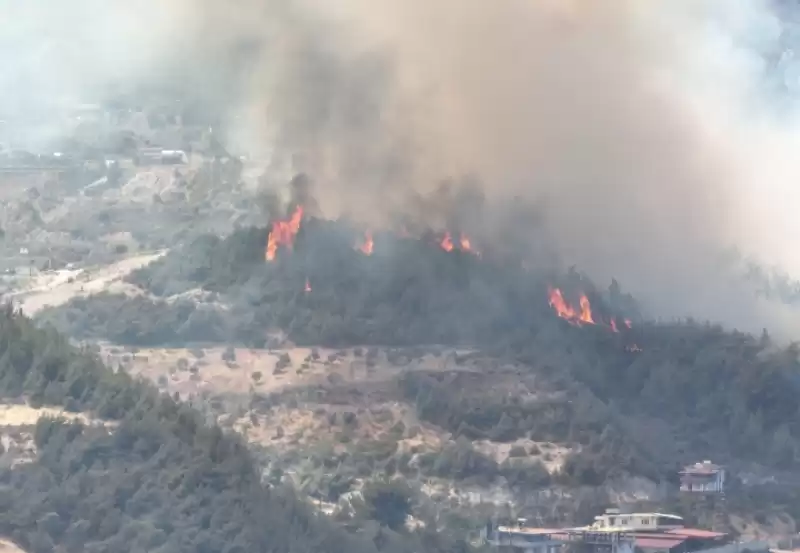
654, 134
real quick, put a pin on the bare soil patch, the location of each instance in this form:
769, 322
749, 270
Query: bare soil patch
54, 288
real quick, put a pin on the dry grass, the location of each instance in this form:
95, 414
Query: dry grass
551, 455
285, 428
192, 372
25, 415
256, 370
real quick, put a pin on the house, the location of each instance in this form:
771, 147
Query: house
705, 477
681, 540
616, 532
518, 538
612, 519
659, 532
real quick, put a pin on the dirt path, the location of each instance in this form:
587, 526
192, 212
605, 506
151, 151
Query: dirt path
24, 415
55, 288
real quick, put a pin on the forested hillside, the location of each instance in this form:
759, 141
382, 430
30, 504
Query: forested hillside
159, 478
708, 391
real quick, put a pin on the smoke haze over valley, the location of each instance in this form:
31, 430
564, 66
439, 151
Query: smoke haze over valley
652, 136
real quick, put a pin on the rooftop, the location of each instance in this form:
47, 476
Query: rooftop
658, 542
695, 533
664, 515
529, 531
706, 467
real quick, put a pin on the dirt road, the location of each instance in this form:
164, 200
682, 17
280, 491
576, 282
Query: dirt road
53, 288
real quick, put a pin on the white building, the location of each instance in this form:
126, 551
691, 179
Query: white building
613, 520
705, 477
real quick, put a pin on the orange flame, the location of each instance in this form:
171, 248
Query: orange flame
586, 310
562, 308
614, 325
447, 242
367, 247
307, 289
628, 323
466, 245
566, 311
283, 233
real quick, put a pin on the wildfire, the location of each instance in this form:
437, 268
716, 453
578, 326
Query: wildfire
562, 308
570, 314
566, 311
283, 233
447, 242
463, 244
466, 245
586, 310
580, 316
368, 246
307, 289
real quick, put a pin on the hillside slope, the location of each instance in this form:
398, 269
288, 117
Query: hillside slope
160, 479
716, 393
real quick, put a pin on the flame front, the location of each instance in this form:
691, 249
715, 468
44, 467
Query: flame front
307, 289
368, 246
447, 242
283, 233
614, 325
586, 310
569, 313
560, 305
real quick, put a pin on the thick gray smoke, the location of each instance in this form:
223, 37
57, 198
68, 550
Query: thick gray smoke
657, 133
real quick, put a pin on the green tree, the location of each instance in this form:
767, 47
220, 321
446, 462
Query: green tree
388, 502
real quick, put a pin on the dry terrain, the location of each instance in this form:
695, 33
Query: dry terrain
302, 404
17, 421
191, 371
53, 288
